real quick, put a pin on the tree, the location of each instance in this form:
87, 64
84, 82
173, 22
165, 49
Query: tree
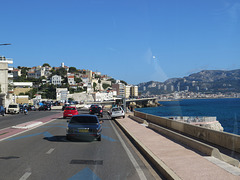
50, 91
61, 72
94, 85
123, 82
72, 70
46, 64
105, 86
31, 93
77, 80
112, 80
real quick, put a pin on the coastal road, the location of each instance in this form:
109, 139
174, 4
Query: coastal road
44, 153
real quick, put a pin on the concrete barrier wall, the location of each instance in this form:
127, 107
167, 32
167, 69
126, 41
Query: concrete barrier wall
227, 140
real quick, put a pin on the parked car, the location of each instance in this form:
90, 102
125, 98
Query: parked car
2, 110
116, 112
84, 127
96, 109
13, 108
45, 107
70, 111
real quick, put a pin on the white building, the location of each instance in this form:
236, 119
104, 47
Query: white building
6, 79
61, 94
56, 80
71, 79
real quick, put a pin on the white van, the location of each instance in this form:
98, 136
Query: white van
13, 108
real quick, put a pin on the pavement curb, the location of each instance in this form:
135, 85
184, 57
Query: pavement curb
167, 172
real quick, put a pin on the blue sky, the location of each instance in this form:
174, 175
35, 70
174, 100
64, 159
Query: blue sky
132, 40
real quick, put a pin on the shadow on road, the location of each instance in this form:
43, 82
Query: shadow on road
63, 139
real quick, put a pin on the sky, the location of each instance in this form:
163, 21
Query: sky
131, 40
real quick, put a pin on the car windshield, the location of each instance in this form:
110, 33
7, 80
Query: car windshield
12, 106
83, 120
116, 109
70, 108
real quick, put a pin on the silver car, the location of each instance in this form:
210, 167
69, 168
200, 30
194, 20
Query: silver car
116, 112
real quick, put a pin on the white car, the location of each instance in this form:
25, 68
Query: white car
116, 112
13, 109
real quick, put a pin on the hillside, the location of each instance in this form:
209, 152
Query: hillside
206, 81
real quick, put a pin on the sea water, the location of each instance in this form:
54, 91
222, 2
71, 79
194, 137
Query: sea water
227, 111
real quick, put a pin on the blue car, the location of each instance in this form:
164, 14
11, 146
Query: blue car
87, 127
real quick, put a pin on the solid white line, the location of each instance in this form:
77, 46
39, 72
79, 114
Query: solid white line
25, 176
132, 159
50, 151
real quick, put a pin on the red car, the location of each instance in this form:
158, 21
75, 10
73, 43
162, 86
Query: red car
70, 111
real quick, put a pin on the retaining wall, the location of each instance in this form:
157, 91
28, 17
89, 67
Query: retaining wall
224, 139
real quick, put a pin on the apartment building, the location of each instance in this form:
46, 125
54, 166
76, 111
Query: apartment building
119, 88
134, 91
5, 80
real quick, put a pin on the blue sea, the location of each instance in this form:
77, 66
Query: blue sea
227, 111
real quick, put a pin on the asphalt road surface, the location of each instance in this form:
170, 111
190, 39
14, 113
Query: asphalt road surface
44, 153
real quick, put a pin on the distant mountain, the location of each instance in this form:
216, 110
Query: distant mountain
207, 81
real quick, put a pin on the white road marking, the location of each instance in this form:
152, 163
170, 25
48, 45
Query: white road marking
132, 159
50, 151
25, 176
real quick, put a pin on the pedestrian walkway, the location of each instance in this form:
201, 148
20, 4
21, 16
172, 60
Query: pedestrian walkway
185, 163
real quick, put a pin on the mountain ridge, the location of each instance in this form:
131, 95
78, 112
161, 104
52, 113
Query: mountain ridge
206, 81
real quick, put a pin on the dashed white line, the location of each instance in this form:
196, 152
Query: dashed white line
50, 151
25, 176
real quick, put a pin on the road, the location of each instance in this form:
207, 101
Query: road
44, 153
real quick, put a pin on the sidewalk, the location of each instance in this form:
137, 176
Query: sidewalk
180, 162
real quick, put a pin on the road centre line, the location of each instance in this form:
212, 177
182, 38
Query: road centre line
25, 176
132, 159
50, 151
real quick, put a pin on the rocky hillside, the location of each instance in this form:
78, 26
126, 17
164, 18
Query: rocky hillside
207, 81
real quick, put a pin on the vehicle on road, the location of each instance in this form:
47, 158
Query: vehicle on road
2, 110
31, 108
116, 112
25, 111
64, 106
13, 108
84, 126
45, 107
96, 109
70, 111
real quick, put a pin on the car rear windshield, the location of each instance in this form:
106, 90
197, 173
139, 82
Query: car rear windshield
70, 108
84, 119
116, 109
12, 106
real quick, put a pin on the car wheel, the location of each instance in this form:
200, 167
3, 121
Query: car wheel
68, 138
112, 118
123, 117
99, 138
